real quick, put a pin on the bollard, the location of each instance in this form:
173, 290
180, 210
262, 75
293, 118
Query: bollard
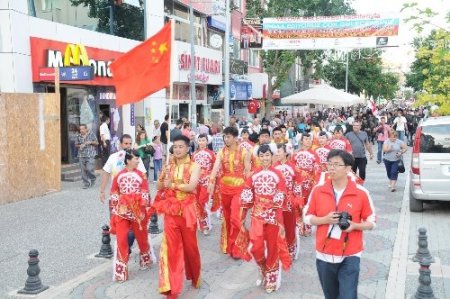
153, 227
33, 285
422, 251
424, 291
106, 249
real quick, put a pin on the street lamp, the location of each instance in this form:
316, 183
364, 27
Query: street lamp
193, 115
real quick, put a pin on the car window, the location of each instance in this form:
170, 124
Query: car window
435, 139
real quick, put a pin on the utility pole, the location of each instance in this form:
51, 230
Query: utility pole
111, 17
346, 73
192, 75
226, 62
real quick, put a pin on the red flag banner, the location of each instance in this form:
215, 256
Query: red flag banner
143, 70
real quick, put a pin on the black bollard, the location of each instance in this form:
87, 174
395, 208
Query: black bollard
422, 251
106, 249
33, 285
424, 291
153, 227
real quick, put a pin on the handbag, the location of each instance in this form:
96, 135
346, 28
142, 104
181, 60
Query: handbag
149, 150
401, 166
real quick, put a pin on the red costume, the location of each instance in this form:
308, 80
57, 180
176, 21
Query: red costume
307, 172
264, 192
248, 145
290, 213
323, 152
129, 202
341, 143
179, 248
231, 182
205, 159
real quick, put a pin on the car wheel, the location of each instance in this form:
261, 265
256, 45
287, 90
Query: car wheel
415, 205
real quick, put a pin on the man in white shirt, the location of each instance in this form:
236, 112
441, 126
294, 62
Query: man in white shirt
400, 125
105, 138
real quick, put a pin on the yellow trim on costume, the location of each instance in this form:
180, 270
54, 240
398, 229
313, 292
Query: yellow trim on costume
232, 181
223, 238
164, 282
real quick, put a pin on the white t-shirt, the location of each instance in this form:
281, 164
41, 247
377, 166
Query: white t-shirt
104, 130
116, 162
401, 122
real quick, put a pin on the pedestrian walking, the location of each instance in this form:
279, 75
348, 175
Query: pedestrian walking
144, 148
393, 149
87, 150
360, 143
157, 157
382, 132
341, 210
105, 138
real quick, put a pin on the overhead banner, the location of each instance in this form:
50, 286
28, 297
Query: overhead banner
333, 32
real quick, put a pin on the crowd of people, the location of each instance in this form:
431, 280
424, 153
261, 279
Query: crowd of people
288, 173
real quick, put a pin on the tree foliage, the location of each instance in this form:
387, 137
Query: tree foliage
365, 74
430, 72
128, 20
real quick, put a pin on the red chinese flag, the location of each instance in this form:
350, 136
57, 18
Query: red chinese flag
143, 70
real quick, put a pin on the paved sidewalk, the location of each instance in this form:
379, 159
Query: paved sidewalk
223, 277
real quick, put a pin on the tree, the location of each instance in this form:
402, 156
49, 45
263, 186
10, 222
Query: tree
278, 62
128, 20
431, 69
365, 74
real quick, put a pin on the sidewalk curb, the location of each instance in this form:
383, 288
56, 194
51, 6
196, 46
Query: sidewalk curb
70, 285
396, 283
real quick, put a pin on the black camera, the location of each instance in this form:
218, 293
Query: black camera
344, 217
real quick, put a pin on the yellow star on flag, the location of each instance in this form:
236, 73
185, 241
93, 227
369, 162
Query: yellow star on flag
163, 48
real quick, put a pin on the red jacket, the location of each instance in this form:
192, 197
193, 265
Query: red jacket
355, 200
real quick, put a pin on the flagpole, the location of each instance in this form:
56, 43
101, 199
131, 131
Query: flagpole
172, 39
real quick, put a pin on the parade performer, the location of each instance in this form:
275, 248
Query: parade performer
176, 199
307, 172
338, 141
323, 150
264, 193
263, 138
231, 168
286, 168
245, 142
205, 158
129, 203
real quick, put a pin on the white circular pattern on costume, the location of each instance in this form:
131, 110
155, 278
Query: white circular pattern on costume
305, 161
287, 174
128, 184
246, 145
269, 216
203, 159
298, 189
265, 184
246, 196
323, 154
337, 144
278, 198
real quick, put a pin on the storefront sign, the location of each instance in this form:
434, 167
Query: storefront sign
49, 54
75, 73
216, 22
207, 62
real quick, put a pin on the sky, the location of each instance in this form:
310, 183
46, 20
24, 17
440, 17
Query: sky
404, 54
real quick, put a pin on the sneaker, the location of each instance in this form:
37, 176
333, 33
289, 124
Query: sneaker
92, 183
378, 162
86, 186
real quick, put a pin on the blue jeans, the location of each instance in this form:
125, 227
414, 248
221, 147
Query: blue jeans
340, 280
157, 165
401, 135
391, 169
380, 151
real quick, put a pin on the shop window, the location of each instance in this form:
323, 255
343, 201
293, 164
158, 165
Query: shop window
253, 58
175, 113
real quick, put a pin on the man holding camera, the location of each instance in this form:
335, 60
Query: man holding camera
341, 209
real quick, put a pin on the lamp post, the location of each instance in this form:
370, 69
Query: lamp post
226, 64
193, 115
346, 73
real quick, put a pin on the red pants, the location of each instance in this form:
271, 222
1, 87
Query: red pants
231, 224
289, 220
123, 226
179, 251
202, 214
265, 252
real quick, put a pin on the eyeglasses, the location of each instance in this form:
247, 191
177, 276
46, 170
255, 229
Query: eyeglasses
334, 165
